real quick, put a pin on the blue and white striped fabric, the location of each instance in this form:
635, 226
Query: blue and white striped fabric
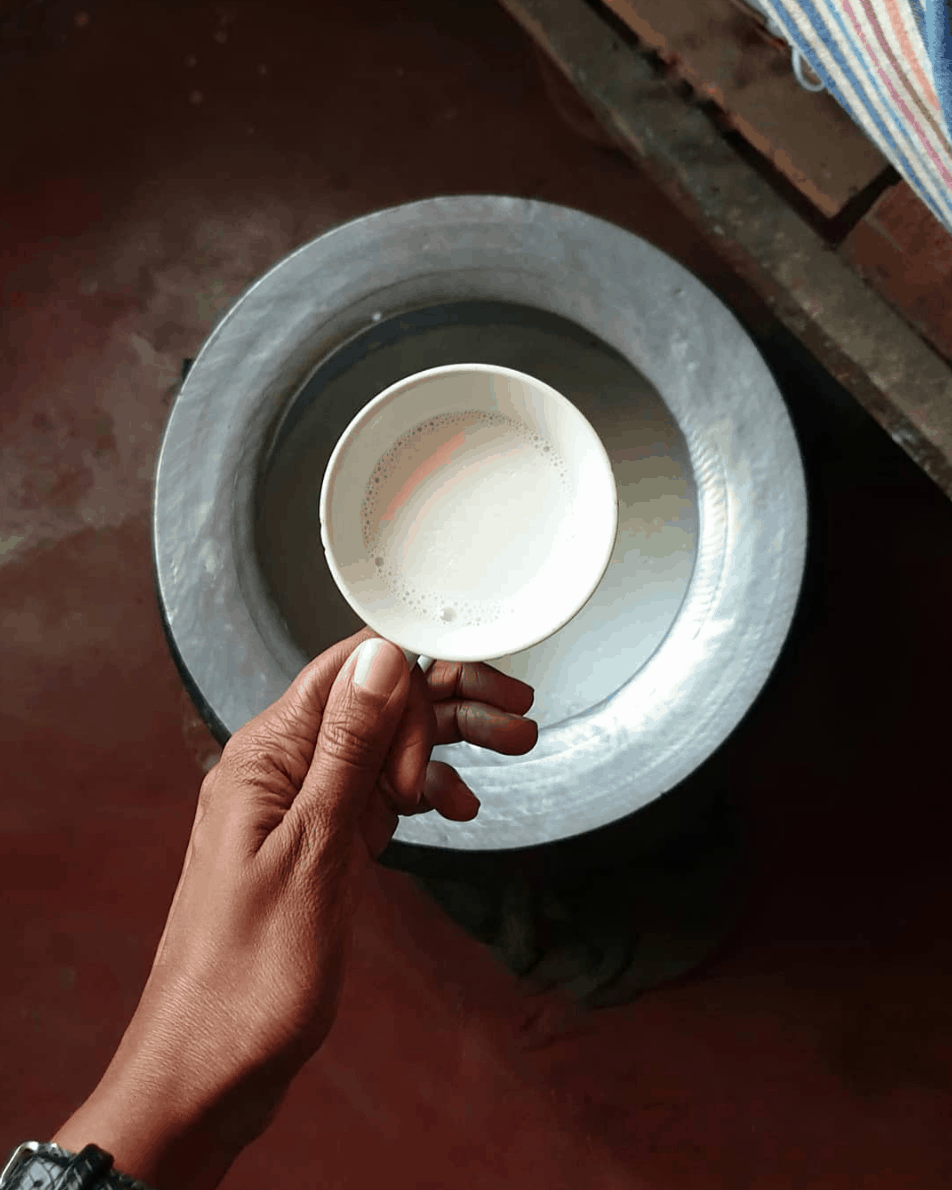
888, 63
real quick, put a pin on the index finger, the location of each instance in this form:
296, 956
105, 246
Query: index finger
478, 682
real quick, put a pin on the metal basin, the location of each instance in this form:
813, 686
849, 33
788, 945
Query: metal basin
662, 663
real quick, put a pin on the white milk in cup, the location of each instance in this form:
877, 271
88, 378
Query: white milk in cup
468, 512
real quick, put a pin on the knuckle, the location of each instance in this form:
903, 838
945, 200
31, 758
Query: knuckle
458, 672
274, 748
343, 743
244, 759
240, 751
466, 720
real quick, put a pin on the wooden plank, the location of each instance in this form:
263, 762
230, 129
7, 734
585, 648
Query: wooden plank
905, 254
725, 55
849, 329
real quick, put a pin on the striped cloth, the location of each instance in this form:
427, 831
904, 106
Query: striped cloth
888, 63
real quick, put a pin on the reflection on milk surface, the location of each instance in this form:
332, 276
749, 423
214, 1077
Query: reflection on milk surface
465, 512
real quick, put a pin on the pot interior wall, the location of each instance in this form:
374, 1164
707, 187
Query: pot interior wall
626, 619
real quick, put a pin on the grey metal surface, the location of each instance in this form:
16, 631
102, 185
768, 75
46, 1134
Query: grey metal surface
701, 654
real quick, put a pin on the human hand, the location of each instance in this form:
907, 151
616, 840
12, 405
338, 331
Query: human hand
246, 978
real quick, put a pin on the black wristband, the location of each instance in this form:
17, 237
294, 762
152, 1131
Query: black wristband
35, 1166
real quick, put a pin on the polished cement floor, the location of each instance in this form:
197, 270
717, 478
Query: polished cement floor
160, 157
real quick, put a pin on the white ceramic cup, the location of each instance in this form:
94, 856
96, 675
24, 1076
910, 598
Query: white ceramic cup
468, 512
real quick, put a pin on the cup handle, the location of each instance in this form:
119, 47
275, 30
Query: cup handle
415, 659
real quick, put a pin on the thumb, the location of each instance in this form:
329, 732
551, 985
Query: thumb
363, 709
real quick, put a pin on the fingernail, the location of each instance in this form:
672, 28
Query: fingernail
377, 668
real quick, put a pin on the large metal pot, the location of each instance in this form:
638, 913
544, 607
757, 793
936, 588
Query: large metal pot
663, 662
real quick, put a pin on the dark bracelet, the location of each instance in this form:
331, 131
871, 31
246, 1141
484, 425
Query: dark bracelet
36, 1166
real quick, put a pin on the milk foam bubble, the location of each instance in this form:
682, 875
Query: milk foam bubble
463, 512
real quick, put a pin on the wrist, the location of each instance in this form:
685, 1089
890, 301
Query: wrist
162, 1132
146, 1143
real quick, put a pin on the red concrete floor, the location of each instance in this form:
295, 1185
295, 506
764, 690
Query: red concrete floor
160, 157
